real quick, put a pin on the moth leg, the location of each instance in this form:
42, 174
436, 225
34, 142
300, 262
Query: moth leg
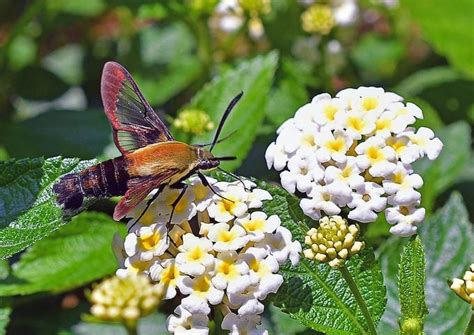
184, 187
233, 175
148, 204
205, 182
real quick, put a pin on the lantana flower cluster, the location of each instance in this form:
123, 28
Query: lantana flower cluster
221, 251
354, 152
464, 287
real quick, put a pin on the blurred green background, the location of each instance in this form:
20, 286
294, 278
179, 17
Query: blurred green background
198, 54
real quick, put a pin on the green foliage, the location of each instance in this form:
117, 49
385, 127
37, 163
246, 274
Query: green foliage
74, 255
411, 285
4, 319
29, 209
438, 175
254, 78
283, 323
154, 324
84, 134
377, 57
447, 27
37, 83
316, 294
448, 242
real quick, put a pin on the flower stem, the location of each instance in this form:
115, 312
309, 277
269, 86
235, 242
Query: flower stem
470, 327
360, 301
131, 327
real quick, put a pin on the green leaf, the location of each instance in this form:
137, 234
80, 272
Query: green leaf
75, 255
285, 101
283, 323
36, 83
441, 173
87, 8
28, 209
317, 295
448, 242
430, 119
377, 57
411, 284
4, 319
154, 324
424, 79
254, 78
448, 28
159, 86
171, 66
84, 134
66, 62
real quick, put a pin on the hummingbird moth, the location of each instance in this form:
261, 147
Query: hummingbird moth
151, 158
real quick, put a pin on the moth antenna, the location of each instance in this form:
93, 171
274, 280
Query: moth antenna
224, 117
233, 175
219, 141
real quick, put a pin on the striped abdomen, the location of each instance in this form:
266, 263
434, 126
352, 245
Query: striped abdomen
105, 179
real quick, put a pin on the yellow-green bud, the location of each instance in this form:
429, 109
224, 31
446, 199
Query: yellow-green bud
412, 326
464, 287
333, 242
124, 299
318, 19
256, 7
194, 121
202, 6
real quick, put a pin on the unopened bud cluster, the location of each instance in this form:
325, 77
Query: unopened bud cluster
193, 121
125, 299
334, 241
464, 287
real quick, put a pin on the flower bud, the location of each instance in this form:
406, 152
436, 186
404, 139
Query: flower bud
464, 287
193, 121
256, 7
333, 242
124, 299
318, 19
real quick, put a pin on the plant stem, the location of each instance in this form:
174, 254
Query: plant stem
360, 301
470, 327
131, 327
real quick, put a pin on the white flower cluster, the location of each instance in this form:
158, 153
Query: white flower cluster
354, 151
222, 250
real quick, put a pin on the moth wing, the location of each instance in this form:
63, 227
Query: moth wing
134, 122
138, 189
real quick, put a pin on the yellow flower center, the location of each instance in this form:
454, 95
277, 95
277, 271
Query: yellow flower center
383, 124
202, 285
169, 275
346, 173
149, 241
369, 103
228, 269
330, 112
139, 266
254, 225
226, 236
336, 145
308, 140
227, 205
355, 123
398, 177
196, 254
397, 145
260, 268
375, 154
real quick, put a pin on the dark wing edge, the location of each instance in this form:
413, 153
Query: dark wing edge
134, 122
138, 189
